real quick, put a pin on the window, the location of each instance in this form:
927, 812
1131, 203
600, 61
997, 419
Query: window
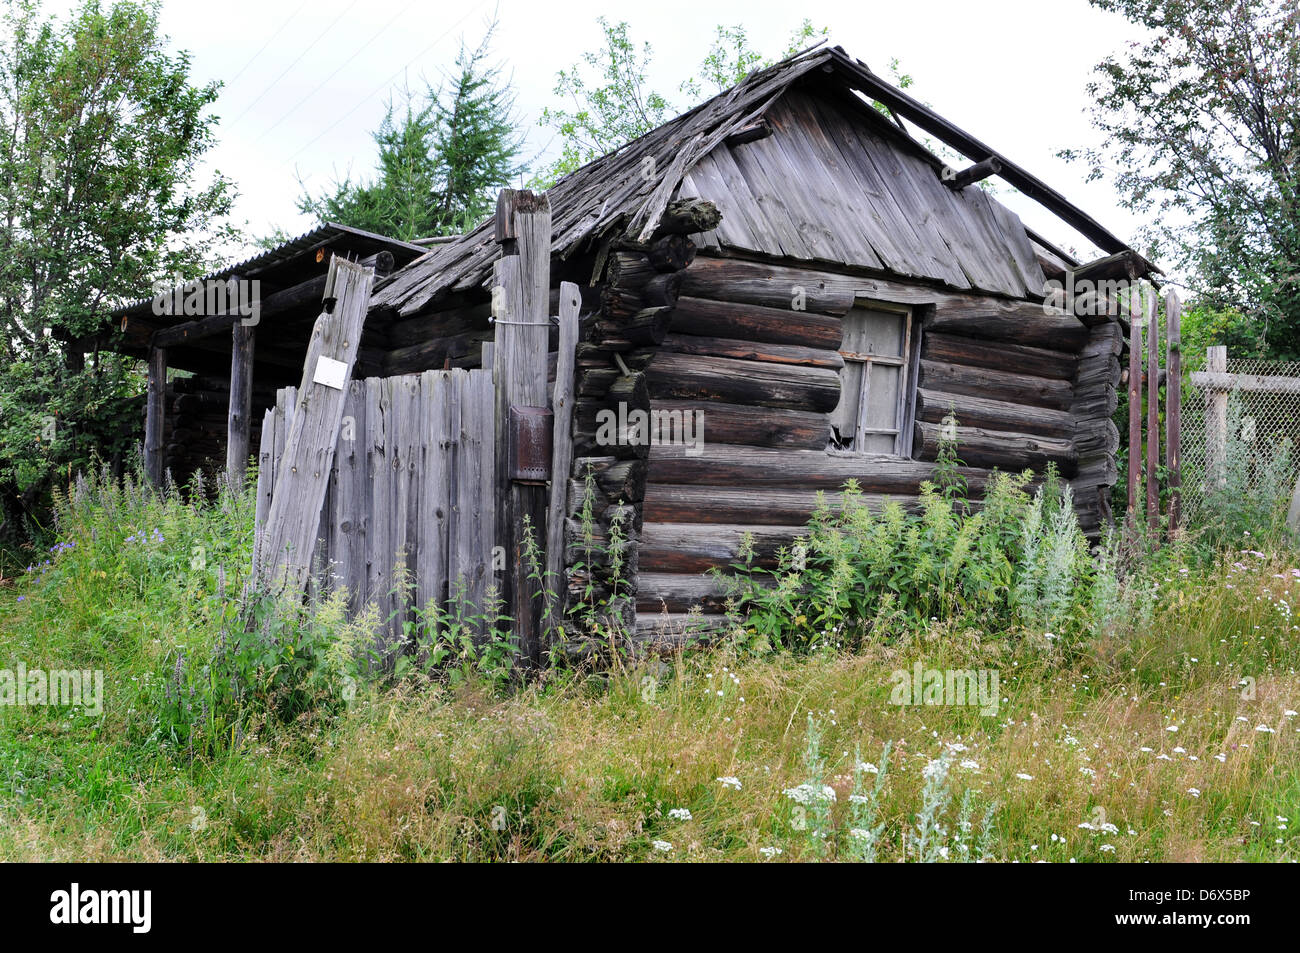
875, 384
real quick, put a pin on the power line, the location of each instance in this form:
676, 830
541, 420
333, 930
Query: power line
346, 62
279, 30
275, 81
388, 81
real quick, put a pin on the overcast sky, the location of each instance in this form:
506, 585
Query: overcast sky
306, 82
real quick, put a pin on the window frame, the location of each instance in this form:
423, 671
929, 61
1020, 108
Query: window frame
904, 411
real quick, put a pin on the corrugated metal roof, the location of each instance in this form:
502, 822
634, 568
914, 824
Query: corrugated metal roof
322, 236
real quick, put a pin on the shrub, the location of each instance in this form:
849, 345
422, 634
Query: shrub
1018, 559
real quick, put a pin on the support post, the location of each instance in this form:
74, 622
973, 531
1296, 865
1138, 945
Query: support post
1134, 404
561, 448
239, 417
1216, 418
1174, 405
1153, 411
155, 408
521, 307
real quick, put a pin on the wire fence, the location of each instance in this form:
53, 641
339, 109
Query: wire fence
1241, 422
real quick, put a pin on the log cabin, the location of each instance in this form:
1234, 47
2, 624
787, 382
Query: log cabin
788, 265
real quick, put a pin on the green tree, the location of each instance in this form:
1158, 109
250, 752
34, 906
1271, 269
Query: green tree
101, 135
442, 157
1199, 125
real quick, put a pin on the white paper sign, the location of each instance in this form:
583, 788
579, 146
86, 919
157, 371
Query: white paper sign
330, 372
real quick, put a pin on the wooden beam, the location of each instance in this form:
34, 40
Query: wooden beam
296, 296
283, 550
562, 404
1153, 411
239, 412
1174, 405
1216, 410
760, 129
154, 412
521, 283
1134, 407
976, 173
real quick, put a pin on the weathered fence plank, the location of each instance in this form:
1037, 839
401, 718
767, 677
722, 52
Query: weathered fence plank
521, 295
303, 475
1174, 405
1153, 411
562, 446
1216, 415
1134, 404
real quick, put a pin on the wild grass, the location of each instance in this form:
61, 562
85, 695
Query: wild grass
1165, 734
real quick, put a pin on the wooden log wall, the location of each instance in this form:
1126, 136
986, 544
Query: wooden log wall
1028, 386
195, 424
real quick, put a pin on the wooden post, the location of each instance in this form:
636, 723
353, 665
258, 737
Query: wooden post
521, 300
1134, 403
282, 558
1174, 405
561, 447
155, 407
1153, 411
239, 415
1216, 418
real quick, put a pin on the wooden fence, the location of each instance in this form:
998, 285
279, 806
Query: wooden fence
442, 474
1144, 374
409, 490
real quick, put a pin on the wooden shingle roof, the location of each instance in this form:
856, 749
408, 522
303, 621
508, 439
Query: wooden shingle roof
913, 224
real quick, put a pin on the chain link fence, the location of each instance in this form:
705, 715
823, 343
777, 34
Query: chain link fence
1241, 421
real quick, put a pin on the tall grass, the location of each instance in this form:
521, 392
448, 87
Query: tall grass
233, 730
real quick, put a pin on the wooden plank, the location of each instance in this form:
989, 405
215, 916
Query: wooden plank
562, 406
155, 411
1174, 405
434, 494
300, 484
1153, 410
350, 512
1216, 410
1134, 406
379, 443
474, 502
241, 403
521, 284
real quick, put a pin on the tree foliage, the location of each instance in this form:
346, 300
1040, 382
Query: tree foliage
443, 155
101, 135
1198, 121
607, 97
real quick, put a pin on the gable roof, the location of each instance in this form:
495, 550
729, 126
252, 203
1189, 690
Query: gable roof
831, 183
613, 197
